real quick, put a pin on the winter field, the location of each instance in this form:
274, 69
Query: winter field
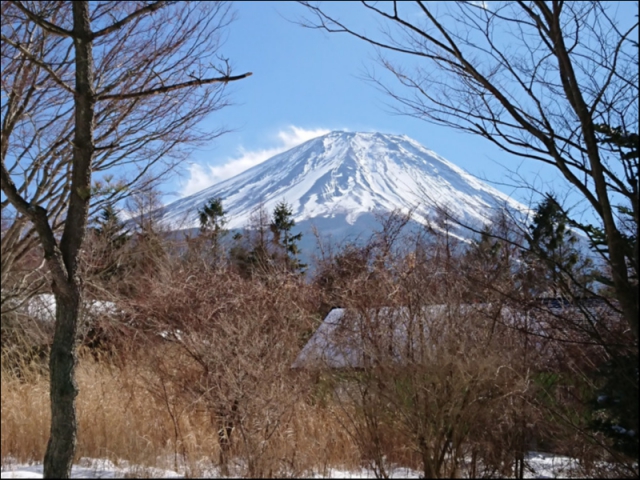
339, 304
189, 367
538, 465
123, 415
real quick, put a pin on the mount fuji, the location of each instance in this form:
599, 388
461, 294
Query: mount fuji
340, 181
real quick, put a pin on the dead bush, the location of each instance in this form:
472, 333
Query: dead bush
225, 344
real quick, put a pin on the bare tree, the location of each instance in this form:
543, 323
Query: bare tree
538, 79
145, 134
226, 346
418, 369
91, 90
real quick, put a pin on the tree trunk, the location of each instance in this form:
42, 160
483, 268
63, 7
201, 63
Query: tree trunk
427, 466
63, 390
68, 291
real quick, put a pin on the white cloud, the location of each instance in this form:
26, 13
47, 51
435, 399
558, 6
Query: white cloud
481, 4
201, 177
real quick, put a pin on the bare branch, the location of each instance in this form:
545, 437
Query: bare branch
179, 86
38, 216
38, 62
41, 22
152, 7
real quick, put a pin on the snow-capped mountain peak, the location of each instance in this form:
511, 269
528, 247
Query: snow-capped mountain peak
346, 175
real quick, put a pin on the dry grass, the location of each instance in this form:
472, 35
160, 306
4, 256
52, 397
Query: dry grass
25, 418
120, 419
116, 420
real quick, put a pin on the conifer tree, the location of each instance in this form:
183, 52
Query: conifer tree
212, 221
110, 237
552, 93
626, 145
487, 264
285, 241
110, 227
615, 403
553, 246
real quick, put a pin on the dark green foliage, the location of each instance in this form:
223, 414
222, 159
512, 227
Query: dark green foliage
255, 252
488, 247
281, 225
111, 238
212, 216
549, 237
487, 262
212, 221
109, 227
615, 406
625, 143
598, 241
552, 248
243, 256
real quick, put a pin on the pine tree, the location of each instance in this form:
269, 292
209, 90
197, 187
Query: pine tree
212, 222
239, 255
553, 247
487, 264
110, 236
212, 216
110, 227
615, 403
627, 146
285, 242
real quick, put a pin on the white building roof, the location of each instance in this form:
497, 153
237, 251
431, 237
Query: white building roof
346, 339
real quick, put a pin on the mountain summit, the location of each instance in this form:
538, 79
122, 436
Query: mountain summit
345, 175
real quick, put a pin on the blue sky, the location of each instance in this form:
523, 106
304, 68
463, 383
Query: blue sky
307, 82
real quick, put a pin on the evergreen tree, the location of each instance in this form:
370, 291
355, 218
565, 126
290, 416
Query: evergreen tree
553, 248
615, 403
626, 146
284, 240
212, 222
110, 238
239, 255
212, 216
487, 265
111, 228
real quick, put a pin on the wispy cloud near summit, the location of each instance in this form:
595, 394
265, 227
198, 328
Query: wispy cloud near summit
201, 177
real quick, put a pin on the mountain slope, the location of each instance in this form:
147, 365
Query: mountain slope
344, 176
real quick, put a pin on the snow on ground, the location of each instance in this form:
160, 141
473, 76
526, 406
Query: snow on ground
89, 468
366, 473
540, 465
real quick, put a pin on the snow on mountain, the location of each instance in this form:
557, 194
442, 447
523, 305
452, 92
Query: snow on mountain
346, 176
